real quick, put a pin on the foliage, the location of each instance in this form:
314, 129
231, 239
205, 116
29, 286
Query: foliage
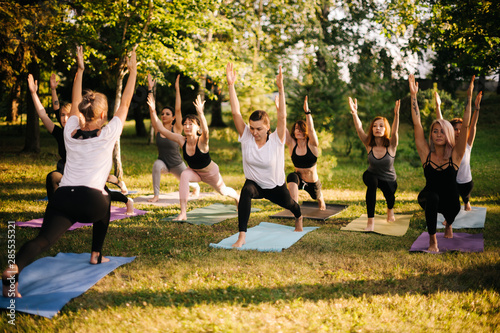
464, 35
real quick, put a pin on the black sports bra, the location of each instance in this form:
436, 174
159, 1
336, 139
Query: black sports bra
304, 161
199, 160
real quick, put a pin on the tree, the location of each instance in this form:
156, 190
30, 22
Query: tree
28, 42
464, 34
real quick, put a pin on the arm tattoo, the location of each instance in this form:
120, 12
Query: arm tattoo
56, 103
414, 106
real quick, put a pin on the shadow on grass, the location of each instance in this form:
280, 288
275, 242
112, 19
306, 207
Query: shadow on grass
477, 279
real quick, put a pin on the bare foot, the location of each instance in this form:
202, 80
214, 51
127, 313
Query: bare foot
154, 199
433, 244
196, 192
390, 215
467, 207
10, 290
130, 207
321, 204
241, 240
448, 231
181, 217
370, 224
94, 258
298, 224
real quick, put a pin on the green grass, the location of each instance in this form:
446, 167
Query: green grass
328, 281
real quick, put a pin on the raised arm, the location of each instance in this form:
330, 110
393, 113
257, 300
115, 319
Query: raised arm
460, 145
151, 85
395, 126
422, 146
473, 122
40, 110
53, 91
439, 115
178, 112
76, 95
281, 125
289, 141
200, 105
313, 137
357, 122
239, 123
158, 126
129, 88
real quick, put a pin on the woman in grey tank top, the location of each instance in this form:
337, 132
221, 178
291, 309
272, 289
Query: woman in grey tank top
381, 145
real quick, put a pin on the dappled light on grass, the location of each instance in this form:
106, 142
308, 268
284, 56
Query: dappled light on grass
330, 280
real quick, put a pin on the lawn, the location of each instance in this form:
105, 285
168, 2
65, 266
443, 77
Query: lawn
330, 280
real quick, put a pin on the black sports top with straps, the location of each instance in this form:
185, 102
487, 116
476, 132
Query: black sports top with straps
304, 161
382, 167
442, 178
199, 160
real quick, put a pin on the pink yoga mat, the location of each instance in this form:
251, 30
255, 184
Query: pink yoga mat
461, 241
117, 213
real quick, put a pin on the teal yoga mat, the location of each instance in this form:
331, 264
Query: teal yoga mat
209, 215
266, 237
47, 284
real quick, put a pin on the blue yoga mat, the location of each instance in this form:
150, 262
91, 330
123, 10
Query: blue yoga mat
266, 237
47, 284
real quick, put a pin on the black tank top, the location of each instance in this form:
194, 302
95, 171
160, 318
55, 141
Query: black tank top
199, 160
304, 161
439, 179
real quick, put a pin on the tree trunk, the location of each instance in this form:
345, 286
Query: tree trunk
216, 107
15, 97
32, 141
137, 106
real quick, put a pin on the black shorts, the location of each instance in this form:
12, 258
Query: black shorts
314, 189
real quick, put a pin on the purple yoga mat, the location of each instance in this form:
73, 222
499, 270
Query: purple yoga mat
117, 213
461, 241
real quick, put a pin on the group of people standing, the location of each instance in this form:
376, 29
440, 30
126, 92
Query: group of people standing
77, 190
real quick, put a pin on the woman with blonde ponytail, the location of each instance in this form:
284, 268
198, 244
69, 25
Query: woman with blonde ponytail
81, 195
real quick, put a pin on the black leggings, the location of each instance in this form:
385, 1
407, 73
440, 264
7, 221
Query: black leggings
67, 206
278, 195
434, 203
116, 196
388, 189
52, 182
465, 190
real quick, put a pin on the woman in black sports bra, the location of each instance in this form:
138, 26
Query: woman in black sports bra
381, 145
195, 151
440, 159
302, 143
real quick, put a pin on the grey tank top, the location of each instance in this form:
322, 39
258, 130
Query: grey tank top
383, 167
168, 151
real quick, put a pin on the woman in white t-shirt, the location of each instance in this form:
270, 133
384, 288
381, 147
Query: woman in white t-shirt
263, 158
81, 196
464, 175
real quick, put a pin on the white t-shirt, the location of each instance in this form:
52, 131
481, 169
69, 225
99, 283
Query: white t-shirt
464, 175
265, 165
89, 161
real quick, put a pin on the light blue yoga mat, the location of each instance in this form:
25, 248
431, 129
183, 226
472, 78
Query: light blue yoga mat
474, 218
47, 284
266, 237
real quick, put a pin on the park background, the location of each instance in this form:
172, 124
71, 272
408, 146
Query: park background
330, 280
